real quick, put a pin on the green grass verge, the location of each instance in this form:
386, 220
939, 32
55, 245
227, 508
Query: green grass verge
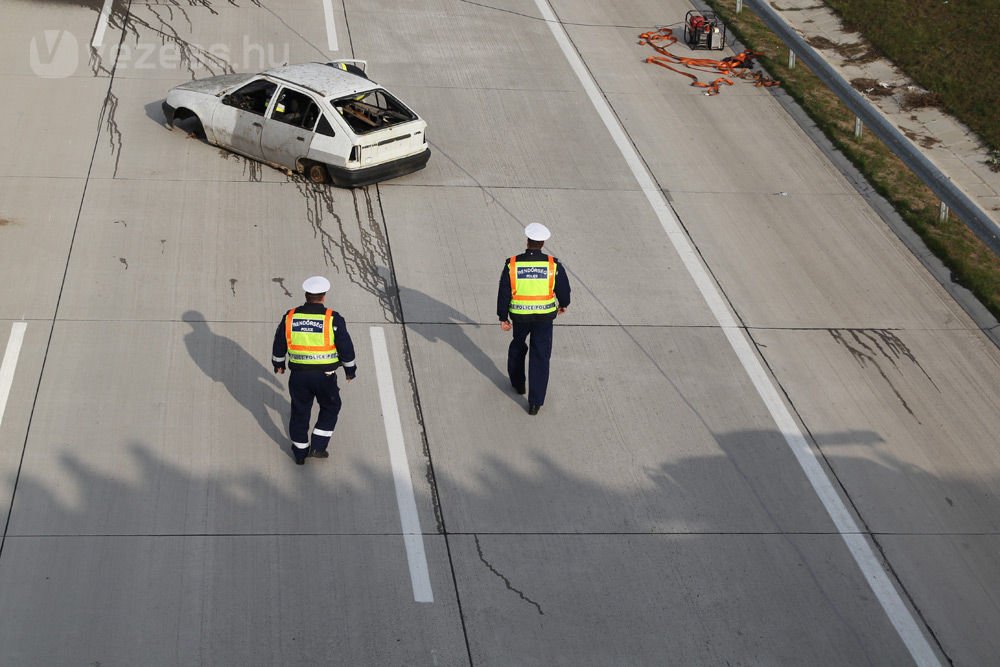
972, 264
949, 48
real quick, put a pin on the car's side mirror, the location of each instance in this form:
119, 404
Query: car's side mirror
227, 100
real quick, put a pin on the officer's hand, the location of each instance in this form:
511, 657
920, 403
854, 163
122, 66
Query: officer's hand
560, 312
279, 370
505, 325
349, 379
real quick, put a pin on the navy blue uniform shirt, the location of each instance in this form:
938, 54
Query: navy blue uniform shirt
342, 339
504, 291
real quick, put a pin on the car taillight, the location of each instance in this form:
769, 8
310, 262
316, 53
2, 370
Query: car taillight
355, 154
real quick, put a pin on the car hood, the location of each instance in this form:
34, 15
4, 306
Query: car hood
215, 84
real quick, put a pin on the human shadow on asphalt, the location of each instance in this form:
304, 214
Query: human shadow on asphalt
253, 385
433, 320
653, 559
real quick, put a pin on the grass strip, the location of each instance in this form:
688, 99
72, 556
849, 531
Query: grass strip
950, 48
972, 264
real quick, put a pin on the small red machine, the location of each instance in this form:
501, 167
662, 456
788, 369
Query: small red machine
704, 30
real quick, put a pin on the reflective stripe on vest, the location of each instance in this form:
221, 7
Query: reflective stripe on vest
532, 287
310, 338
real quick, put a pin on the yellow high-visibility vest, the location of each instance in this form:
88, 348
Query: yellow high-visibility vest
310, 338
532, 287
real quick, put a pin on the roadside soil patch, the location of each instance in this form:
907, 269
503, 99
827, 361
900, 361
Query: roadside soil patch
919, 99
872, 88
855, 52
924, 140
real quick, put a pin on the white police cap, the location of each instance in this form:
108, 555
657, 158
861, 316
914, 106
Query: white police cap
537, 232
316, 285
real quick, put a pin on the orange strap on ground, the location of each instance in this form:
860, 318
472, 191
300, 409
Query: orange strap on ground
731, 68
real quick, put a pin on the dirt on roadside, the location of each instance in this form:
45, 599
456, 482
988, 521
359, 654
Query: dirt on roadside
873, 88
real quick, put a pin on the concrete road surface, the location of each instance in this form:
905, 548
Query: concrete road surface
770, 437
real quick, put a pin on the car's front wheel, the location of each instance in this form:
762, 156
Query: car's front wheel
188, 121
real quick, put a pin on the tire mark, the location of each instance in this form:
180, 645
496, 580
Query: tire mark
281, 284
872, 347
359, 262
252, 169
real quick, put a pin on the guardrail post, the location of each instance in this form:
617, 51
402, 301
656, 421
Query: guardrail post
857, 127
943, 212
791, 59
739, 6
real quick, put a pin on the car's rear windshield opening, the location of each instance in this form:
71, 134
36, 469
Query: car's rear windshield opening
374, 110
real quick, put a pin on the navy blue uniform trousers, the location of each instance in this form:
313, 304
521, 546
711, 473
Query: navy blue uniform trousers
304, 387
537, 331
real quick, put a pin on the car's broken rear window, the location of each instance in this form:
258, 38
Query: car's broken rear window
374, 110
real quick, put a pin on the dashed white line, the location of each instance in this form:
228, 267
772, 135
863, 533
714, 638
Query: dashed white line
10, 363
331, 27
102, 24
413, 537
871, 568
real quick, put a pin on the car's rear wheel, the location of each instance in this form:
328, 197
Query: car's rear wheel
316, 173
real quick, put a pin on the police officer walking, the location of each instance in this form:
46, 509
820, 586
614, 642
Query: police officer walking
533, 290
315, 340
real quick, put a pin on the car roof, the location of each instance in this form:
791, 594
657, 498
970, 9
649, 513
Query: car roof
326, 80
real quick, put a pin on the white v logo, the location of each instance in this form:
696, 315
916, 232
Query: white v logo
56, 57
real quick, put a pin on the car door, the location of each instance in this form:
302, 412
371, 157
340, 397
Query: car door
288, 130
238, 122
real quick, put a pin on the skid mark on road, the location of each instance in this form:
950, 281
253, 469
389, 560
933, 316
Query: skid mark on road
253, 170
872, 347
109, 121
365, 263
281, 283
190, 56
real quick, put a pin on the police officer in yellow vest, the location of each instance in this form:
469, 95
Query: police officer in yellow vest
533, 290
315, 342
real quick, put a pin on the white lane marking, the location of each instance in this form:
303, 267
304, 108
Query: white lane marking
331, 27
900, 616
10, 363
102, 24
409, 520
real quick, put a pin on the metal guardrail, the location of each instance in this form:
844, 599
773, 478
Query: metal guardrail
974, 217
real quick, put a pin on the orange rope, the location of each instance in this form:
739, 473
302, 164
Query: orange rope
734, 67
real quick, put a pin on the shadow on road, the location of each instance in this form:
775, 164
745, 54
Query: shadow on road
160, 561
711, 557
253, 385
433, 320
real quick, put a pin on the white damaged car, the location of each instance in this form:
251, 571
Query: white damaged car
326, 121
